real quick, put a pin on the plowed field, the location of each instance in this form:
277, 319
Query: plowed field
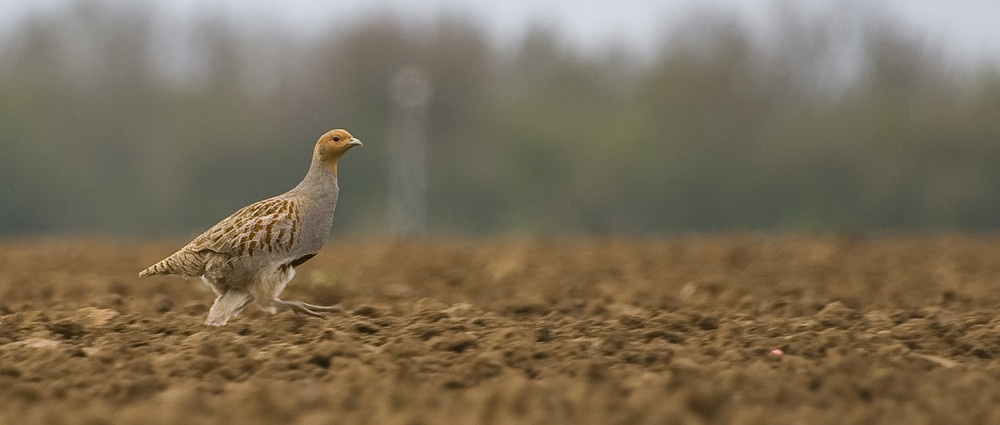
731, 329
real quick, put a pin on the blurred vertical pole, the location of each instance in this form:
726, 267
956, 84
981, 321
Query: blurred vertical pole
409, 90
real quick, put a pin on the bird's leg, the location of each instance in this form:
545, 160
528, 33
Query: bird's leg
227, 306
270, 285
217, 288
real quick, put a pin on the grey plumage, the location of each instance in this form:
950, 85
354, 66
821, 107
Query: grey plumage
251, 255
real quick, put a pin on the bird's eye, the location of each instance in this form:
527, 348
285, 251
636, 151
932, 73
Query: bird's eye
336, 138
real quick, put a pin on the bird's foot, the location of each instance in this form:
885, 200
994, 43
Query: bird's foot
305, 308
323, 308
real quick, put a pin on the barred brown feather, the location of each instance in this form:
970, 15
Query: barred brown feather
265, 225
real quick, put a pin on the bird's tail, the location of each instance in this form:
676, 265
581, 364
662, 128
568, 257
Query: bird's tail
183, 263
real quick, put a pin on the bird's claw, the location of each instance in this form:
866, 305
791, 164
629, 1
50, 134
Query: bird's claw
308, 309
323, 308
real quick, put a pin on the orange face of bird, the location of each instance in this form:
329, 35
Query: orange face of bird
333, 144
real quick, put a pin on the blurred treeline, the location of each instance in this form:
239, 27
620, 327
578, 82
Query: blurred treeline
112, 122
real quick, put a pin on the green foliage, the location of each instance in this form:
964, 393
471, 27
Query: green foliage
108, 125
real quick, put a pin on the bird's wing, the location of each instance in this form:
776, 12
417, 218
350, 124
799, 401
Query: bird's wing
266, 226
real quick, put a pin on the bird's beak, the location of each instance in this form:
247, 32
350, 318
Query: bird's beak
355, 142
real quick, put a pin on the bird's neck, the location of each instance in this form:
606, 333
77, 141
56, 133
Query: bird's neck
320, 181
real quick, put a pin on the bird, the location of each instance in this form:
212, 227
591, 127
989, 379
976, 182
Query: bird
251, 255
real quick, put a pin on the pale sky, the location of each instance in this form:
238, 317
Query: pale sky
968, 29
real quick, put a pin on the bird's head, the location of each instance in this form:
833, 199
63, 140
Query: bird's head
332, 145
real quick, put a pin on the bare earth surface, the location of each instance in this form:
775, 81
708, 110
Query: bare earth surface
600, 331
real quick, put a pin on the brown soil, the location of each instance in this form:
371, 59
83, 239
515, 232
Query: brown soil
606, 331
